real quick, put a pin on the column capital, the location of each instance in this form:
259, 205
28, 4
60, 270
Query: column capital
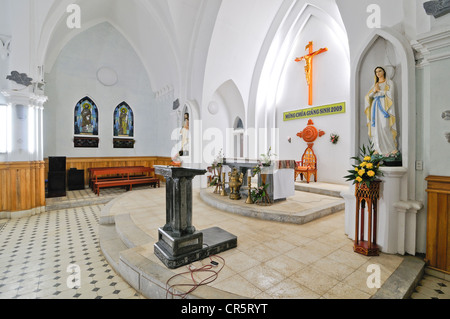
408, 206
393, 172
26, 98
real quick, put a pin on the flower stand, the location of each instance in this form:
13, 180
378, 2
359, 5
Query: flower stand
219, 185
266, 199
369, 195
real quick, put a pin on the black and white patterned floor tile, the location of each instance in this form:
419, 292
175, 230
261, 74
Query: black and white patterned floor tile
56, 255
431, 287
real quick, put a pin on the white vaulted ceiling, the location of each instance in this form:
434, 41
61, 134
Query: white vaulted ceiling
164, 33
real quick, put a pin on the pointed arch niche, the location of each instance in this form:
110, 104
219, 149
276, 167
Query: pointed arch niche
188, 125
387, 48
279, 84
222, 112
397, 207
238, 138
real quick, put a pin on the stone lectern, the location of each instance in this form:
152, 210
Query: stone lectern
179, 243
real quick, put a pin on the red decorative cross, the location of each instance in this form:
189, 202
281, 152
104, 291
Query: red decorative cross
310, 134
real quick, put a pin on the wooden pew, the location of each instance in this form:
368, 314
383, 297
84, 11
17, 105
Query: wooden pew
96, 173
124, 176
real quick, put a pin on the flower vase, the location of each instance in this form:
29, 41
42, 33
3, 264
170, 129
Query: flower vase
265, 201
368, 192
263, 179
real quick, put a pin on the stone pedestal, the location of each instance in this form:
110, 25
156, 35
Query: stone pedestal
179, 242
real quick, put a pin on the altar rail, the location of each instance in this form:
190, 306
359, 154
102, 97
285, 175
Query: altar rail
91, 162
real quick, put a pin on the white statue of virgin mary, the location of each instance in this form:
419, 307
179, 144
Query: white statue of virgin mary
380, 112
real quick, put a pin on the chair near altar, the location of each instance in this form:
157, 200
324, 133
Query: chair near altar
308, 165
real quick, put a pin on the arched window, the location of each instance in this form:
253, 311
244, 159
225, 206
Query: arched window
86, 117
238, 137
123, 121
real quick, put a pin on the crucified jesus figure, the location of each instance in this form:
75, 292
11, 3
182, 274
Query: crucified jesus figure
309, 66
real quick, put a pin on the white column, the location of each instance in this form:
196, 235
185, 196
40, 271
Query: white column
38, 102
407, 226
25, 128
402, 209
350, 211
388, 219
411, 227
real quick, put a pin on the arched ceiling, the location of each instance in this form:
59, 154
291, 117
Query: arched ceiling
164, 33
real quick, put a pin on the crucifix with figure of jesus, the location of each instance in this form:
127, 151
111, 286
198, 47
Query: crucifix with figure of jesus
309, 67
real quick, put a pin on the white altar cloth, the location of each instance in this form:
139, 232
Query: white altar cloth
284, 184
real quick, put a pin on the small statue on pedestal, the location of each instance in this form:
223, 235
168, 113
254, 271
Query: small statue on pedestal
235, 184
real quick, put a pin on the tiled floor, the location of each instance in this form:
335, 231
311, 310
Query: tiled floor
434, 285
41, 257
273, 260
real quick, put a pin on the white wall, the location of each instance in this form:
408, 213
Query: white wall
74, 76
355, 16
239, 32
5, 34
331, 85
440, 96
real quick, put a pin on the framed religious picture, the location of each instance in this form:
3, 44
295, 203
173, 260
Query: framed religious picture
86, 117
123, 121
185, 135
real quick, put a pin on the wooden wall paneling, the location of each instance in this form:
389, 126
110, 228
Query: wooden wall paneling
4, 186
432, 223
448, 235
442, 231
438, 223
23, 183
22, 186
85, 163
14, 189
39, 191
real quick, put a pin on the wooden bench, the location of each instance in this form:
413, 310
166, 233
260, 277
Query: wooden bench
97, 173
307, 166
124, 176
126, 182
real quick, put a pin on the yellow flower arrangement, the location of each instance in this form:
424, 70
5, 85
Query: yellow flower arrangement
367, 168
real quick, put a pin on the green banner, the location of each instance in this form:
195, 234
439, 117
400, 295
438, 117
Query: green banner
338, 108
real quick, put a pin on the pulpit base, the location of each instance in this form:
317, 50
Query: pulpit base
214, 241
363, 248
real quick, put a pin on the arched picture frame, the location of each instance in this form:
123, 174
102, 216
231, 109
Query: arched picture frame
86, 117
185, 136
123, 121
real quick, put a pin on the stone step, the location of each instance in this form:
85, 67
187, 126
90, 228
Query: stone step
292, 211
327, 189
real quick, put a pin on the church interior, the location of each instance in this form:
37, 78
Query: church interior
178, 149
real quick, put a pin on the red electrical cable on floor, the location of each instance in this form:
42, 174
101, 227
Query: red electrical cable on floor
170, 289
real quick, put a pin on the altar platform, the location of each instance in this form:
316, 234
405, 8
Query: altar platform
273, 259
311, 203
